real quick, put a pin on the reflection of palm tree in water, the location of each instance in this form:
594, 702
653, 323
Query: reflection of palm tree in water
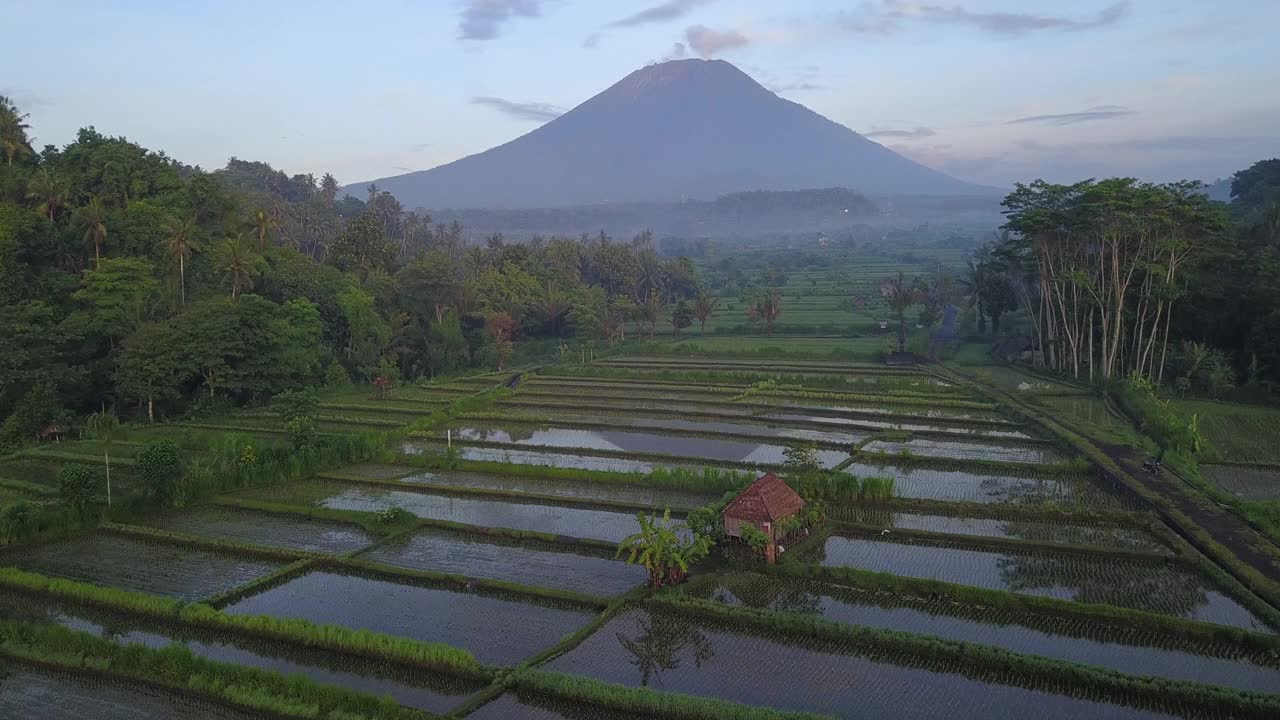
661, 642
1159, 587
768, 594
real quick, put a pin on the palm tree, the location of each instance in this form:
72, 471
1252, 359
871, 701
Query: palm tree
900, 295
237, 256
13, 131
50, 192
179, 243
767, 309
262, 223
661, 549
651, 311
95, 220
553, 306
705, 307
103, 426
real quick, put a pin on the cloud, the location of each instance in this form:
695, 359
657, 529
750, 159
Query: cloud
707, 43
893, 13
670, 10
1101, 112
482, 19
419, 147
908, 134
591, 40
678, 51
535, 111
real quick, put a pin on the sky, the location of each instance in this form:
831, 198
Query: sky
990, 91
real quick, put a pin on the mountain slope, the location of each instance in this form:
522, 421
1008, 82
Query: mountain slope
686, 128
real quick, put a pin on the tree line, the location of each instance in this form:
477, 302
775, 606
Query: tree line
1119, 278
131, 280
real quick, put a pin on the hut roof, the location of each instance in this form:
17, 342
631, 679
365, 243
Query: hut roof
768, 499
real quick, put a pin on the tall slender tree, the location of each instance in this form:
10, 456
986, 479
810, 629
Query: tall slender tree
179, 244
262, 223
104, 426
49, 192
94, 217
237, 258
13, 132
705, 307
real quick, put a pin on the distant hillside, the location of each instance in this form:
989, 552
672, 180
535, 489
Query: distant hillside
686, 129
1219, 190
737, 215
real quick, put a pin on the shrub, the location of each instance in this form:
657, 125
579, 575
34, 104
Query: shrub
161, 467
295, 403
302, 432
77, 485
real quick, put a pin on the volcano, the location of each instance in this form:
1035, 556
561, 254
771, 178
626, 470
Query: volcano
682, 129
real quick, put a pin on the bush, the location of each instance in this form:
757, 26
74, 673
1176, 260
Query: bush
302, 432
295, 403
336, 376
77, 485
161, 467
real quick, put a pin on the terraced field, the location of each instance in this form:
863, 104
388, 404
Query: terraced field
971, 564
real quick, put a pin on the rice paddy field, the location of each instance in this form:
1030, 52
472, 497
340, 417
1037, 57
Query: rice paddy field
971, 564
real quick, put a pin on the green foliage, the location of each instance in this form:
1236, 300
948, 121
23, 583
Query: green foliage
78, 487
161, 467
302, 432
291, 404
661, 549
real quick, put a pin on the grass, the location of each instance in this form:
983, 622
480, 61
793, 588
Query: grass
1235, 433
642, 700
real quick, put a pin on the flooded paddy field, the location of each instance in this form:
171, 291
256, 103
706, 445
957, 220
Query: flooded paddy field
927, 447
150, 566
1093, 534
677, 654
599, 524
1082, 491
411, 687
1164, 587
272, 529
528, 564
39, 694
496, 629
1065, 637
638, 493
641, 443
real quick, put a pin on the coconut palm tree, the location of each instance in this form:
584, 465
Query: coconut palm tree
50, 192
179, 244
900, 295
664, 549
94, 216
705, 307
262, 223
237, 258
103, 427
767, 309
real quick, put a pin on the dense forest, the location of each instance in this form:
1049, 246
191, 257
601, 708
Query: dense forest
136, 282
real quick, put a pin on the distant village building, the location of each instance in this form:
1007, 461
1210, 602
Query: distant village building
764, 504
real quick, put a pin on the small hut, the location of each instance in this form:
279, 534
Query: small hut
53, 432
763, 504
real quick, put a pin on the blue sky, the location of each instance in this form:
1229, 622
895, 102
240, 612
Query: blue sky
991, 91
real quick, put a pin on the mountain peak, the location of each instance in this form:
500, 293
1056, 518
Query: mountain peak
691, 128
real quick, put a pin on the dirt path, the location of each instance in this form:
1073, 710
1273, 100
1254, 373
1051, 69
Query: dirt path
1225, 526
1229, 531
